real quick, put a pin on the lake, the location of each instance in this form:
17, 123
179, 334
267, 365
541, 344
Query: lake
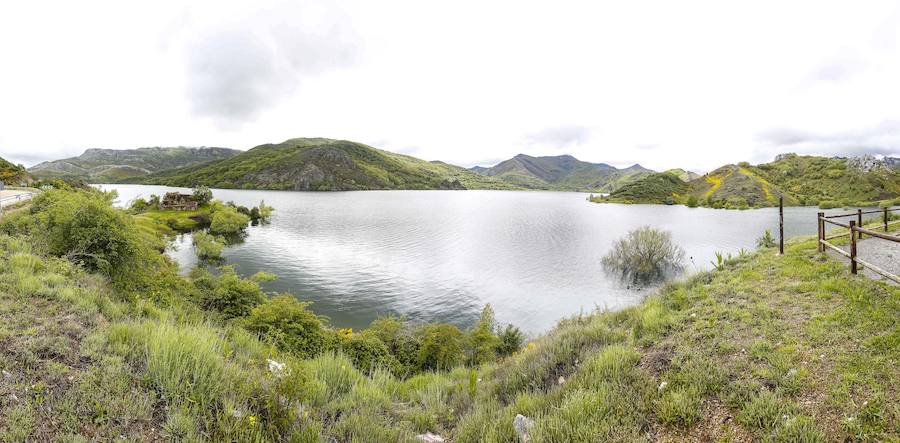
442, 255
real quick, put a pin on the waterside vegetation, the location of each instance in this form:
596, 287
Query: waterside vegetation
104, 340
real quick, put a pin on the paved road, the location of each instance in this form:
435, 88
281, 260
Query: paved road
882, 253
13, 196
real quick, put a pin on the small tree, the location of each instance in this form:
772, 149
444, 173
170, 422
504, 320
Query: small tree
692, 201
207, 245
288, 323
202, 195
766, 241
644, 255
511, 339
441, 347
227, 220
481, 340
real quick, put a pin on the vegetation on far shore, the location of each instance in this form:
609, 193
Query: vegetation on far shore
802, 180
103, 340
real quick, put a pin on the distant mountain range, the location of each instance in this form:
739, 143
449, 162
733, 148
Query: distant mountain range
118, 165
803, 180
561, 173
320, 164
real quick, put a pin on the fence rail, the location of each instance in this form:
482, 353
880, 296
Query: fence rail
856, 231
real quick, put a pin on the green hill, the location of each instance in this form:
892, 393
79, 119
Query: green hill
802, 180
561, 173
118, 165
319, 164
13, 174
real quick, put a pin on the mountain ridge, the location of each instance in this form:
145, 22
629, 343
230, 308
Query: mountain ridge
117, 165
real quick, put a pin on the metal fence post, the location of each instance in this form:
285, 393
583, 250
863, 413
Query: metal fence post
852, 247
781, 224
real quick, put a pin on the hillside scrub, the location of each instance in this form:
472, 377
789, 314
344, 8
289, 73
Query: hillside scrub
770, 348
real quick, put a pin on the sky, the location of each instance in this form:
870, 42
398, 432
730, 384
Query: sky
691, 84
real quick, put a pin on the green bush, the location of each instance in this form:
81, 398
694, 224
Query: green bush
227, 220
288, 323
766, 241
207, 245
441, 347
228, 293
511, 340
368, 353
481, 341
692, 201
202, 195
644, 255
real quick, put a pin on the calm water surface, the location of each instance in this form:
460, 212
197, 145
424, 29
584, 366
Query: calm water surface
442, 255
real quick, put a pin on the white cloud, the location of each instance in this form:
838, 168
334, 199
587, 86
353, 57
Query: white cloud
465, 81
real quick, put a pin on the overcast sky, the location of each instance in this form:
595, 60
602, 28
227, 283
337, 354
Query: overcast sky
666, 84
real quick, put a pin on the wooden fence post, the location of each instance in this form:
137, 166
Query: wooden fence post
853, 247
885, 219
781, 225
859, 220
821, 225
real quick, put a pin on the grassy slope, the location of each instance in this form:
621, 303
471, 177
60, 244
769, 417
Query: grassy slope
561, 173
12, 174
801, 179
113, 166
324, 164
654, 188
772, 347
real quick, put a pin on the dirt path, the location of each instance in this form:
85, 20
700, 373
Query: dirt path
882, 253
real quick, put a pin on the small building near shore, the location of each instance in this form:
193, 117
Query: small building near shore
178, 201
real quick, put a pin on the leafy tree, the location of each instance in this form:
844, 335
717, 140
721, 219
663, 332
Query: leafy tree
644, 255
288, 323
227, 220
481, 340
369, 353
441, 347
207, 245
202, 195
510, 340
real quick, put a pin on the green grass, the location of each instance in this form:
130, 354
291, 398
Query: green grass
771, 348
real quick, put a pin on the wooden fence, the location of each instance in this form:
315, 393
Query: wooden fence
856, 231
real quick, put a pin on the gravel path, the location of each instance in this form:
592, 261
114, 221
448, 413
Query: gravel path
882, 253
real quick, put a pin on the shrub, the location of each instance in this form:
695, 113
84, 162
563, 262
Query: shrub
829, 204
288, 323
228, 294
369, 353
692, 201
510, 340
480, 340
227, 220
202, 195
644, 255
441, 347
208, 245
766, 241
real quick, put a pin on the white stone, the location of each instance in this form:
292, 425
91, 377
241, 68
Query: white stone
274, 366
428, 437
522, 425
662, 386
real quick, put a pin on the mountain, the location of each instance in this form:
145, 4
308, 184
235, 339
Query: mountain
117, 165
11, 174
320, 164
682, 174
561, 173
802, 180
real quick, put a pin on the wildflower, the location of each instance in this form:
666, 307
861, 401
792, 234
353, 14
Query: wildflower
346, 332
531, 345
252, 420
